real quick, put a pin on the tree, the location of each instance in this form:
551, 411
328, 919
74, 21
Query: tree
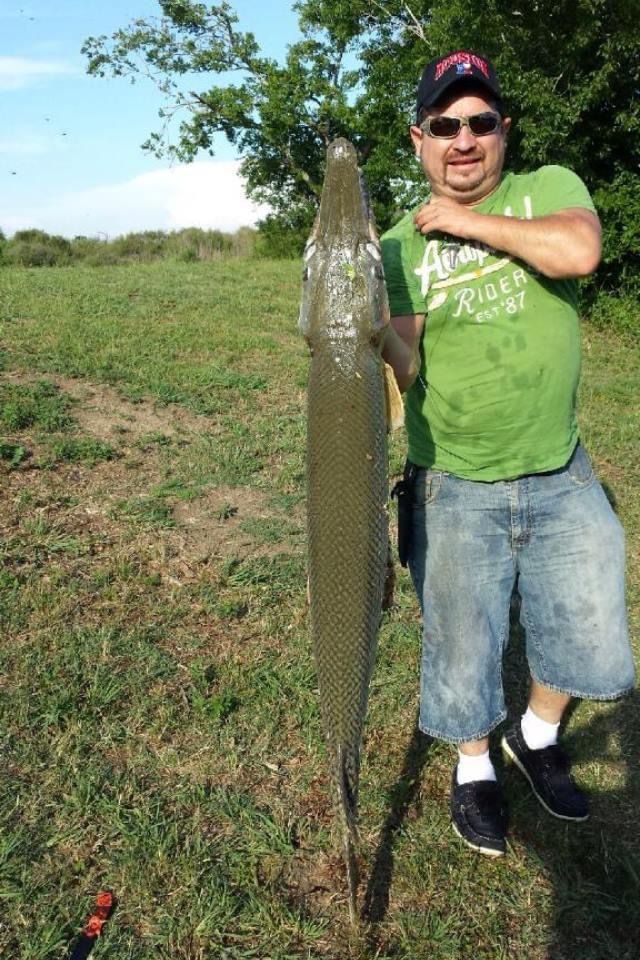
570, 72
279, 116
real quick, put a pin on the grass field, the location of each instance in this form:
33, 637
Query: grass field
159, 729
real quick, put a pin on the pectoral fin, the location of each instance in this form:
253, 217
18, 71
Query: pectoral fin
393, 400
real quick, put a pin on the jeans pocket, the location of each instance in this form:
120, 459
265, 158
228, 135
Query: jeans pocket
580, 468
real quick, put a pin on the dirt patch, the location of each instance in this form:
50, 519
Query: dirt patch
102, 412
314, 881
213, 523
211, 526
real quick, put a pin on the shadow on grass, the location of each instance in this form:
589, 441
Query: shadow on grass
593, 867
609, 493
402, 796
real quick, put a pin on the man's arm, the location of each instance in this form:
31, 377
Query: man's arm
400, 348
559, 245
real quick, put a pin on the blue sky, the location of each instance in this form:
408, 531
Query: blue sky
70, 156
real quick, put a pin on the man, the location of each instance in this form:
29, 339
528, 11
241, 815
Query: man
484, 337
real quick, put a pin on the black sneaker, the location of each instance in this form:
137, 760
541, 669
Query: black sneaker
478, 815
548, 772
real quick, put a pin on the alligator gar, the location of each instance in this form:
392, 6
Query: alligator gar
344, 315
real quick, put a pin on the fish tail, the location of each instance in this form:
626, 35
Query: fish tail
353, 873
348, 802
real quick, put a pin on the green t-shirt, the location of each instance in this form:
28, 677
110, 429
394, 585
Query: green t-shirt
500, 351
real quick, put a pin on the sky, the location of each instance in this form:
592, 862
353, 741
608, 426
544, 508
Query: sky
70, 145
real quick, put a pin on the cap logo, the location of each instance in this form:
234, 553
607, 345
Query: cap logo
463, 62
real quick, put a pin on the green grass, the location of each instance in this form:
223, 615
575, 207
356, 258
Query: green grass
86, 449
149, 511
44, 410
40, 405
11, 453
159, 728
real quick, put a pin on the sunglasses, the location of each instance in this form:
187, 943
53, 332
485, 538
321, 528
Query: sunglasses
447, 128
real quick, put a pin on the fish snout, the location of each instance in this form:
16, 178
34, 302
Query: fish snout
341, 151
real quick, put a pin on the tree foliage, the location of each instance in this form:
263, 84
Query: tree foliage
570, 72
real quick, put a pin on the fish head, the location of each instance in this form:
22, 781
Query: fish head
343, 297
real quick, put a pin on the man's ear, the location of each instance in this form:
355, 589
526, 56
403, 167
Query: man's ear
416, 138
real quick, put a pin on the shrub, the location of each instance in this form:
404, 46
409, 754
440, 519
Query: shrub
147, 245
104, 256
193, 243
35, 248
618, 204
243, 242
620, 313
283, 238
84, 248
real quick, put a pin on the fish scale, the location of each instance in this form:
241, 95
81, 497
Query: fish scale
347, 548
343, 315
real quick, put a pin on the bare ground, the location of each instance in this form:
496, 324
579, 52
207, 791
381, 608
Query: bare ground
209, 526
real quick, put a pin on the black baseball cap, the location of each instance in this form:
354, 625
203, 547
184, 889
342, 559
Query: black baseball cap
459, 66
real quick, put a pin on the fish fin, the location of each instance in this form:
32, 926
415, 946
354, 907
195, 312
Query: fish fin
393, 400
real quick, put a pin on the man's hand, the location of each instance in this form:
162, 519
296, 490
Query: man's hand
446, 216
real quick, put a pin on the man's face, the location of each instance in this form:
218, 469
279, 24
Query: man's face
467, 168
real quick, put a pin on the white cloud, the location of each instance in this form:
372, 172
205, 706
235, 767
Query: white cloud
207, 194
17, 72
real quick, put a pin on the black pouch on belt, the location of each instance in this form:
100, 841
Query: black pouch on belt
403, 492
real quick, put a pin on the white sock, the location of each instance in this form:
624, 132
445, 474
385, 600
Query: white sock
474, 768
537, 733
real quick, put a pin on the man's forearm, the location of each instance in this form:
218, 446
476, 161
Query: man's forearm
402, 357
562, 244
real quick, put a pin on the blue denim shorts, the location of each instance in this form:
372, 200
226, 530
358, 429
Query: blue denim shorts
557, 535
